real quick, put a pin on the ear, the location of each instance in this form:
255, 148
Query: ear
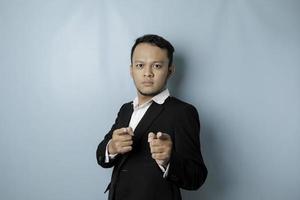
171, 70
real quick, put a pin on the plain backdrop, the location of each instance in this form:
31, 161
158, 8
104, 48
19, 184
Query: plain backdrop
64, 73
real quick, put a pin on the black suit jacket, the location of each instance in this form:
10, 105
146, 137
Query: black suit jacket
136, 175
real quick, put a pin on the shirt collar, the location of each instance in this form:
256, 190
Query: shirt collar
159, 99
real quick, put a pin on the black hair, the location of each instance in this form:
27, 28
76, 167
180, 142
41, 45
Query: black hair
155, 40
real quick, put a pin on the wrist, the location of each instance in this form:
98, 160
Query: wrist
111, 149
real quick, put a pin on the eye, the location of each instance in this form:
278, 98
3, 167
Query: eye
139, 65
157, 66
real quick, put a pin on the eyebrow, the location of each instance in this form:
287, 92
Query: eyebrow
156, 61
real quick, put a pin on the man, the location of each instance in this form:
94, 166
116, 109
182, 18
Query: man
154, 144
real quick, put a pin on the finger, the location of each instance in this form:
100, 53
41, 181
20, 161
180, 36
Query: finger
156, 149
159, 156
125, 149
121, 131
126, 131
163, 136
155, 142
151, 137
130, 131
124, 137
126, 143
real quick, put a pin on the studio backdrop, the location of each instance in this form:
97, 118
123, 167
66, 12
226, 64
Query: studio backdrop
64, 73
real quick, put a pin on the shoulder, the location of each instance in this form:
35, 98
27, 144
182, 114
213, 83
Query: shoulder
126, 105
178, 105
175, 102
182, 112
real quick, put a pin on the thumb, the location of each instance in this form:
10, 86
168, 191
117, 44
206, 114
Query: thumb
130, 131
163, 136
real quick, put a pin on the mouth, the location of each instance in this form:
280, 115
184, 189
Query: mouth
147, 83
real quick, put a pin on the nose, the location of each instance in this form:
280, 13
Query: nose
148, 71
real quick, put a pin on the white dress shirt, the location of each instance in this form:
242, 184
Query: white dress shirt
138, 113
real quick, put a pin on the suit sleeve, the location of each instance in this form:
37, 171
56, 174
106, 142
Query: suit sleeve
100, 153
187, 169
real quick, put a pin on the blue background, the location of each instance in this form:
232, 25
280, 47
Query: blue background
64, 73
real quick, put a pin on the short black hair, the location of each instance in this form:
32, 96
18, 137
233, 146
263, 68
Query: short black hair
155, 40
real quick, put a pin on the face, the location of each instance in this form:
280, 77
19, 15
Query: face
149, 69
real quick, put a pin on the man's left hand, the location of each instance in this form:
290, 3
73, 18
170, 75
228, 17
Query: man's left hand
160, 147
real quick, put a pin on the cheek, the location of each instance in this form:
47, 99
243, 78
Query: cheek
162, 78
134, 76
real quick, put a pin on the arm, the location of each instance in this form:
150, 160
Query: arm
101, 150
187, 169
117, 142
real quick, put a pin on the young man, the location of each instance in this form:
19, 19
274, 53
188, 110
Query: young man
154, 144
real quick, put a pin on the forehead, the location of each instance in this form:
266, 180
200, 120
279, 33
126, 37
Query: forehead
146, 51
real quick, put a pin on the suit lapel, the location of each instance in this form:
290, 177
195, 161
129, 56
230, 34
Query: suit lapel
124, 122
127, 115
150, 115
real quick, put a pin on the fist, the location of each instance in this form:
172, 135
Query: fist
160, 147
121, 141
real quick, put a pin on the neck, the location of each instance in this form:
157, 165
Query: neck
142, 98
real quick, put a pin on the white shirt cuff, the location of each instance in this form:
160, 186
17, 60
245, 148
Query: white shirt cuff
108, 156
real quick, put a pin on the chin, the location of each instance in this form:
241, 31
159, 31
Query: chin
149, 93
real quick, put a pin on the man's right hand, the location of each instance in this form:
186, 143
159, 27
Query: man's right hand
121, 141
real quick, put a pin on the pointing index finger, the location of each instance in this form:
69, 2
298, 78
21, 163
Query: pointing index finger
163, 136
130, 131
151, 136
121, 131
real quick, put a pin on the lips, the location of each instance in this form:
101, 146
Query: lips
147, 83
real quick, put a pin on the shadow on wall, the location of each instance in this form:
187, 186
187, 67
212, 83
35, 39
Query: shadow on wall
218, 172
177, 78
219, 175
